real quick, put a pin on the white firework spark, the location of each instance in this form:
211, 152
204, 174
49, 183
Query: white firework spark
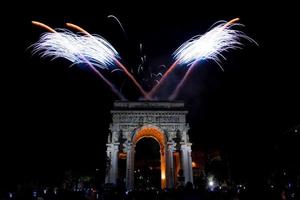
76, 48
211, 45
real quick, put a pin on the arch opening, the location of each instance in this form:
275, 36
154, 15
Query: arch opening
152, 136
147, 173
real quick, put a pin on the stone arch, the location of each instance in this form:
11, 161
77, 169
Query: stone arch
163, 121
150, 131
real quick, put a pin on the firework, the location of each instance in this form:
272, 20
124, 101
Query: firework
120, 24
64, 44
48, 28
209, 46
75, 48
96, 54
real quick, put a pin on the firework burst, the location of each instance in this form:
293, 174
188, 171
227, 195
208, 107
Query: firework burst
99, 54
76, 48
60, 44
210, 46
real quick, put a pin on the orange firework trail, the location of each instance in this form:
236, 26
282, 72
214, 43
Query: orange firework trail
48, 28
119, 64
231, 22
112, 87
105, 80
146, 96
70, 25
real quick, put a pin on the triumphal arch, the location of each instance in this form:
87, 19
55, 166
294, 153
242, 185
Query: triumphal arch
163, 121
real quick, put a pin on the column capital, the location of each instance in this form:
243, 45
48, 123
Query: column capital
171, 146
129, 147
113, 146
186, 147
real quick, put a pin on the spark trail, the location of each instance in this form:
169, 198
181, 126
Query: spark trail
120, 24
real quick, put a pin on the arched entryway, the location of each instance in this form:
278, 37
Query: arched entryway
158, 135
147, 173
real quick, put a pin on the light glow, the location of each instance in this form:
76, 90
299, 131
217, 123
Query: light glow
163, 176
194, 164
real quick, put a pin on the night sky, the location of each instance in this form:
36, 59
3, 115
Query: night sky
55, 118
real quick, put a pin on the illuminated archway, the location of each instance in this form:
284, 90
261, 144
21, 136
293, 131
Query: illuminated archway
159, 136
163, 121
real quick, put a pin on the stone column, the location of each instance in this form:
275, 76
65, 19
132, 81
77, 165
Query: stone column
113, 156
186, 162
170, 165
130, 150
190, 165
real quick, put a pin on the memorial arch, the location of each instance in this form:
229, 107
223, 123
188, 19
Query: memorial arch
163, 121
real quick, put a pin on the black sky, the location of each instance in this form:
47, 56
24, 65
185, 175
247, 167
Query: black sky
56, 118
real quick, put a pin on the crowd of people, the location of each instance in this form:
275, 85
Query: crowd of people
188, 192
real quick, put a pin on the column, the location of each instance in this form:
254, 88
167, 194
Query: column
130, 167
112, 154
170, 165
190, 165
186, 162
